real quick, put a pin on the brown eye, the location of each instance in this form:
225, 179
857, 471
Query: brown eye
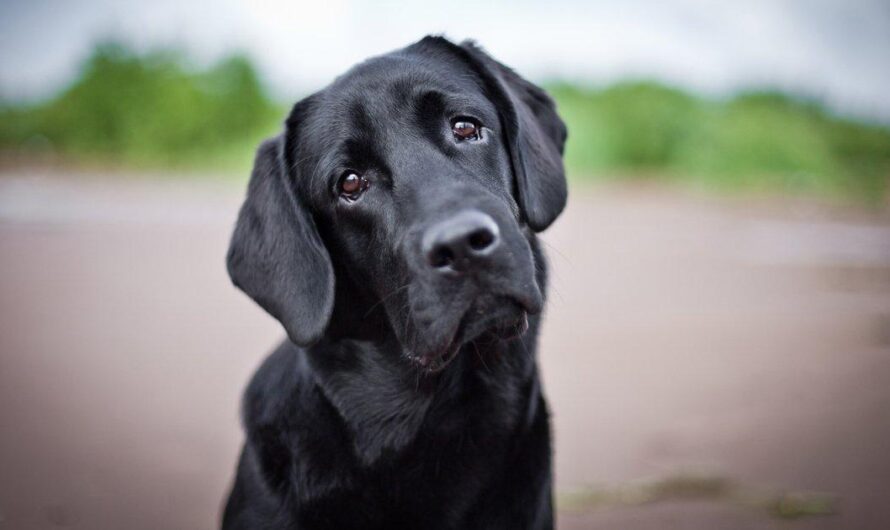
352, 185
465, 130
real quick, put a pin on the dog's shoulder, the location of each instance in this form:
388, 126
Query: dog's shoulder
273, 386
283, 396
293, 433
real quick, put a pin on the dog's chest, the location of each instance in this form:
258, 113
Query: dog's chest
440, 468
433, 484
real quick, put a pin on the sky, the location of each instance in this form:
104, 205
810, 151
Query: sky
835, 50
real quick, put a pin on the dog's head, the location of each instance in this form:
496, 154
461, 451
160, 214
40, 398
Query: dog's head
402, 200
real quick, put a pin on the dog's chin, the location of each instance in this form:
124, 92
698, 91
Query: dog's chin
485, 322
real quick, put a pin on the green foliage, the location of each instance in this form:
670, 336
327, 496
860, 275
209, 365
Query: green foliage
153, 110
630, 126
757, 140
149, 110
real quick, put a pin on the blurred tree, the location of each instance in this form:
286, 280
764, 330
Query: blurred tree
150, 109
154, 109
762, 140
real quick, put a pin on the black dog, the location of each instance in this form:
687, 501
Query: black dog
391, 229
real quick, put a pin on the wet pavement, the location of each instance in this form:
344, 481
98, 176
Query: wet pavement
739, 339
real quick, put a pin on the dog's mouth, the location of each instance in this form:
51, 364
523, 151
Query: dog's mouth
496, 318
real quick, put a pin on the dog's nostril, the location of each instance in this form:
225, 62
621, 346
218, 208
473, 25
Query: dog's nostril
481, 239
460, 242
441, 257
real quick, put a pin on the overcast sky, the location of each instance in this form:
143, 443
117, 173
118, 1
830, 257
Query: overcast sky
836, 50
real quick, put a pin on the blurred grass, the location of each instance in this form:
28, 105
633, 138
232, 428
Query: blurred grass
148, 111
754, 141
696, 486
154, 110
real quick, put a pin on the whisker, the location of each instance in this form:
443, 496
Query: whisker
528, 354
385, 298
556, 250
553, 288
481, 358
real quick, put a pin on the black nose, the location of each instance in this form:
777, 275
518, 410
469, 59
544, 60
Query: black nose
459, 243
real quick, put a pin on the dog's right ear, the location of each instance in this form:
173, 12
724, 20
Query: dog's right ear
276, 255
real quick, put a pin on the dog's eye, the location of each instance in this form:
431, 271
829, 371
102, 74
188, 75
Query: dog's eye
352, 185
465, 129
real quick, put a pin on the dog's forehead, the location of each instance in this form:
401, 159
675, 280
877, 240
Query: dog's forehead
394, 82
368, 115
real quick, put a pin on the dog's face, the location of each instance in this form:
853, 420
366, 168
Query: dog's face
406, 194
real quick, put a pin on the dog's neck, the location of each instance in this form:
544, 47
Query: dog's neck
386, 403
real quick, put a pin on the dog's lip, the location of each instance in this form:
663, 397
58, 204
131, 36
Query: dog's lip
531, 301
530, 306
437, 361
512, 330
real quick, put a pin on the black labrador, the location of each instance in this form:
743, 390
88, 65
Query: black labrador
391, 230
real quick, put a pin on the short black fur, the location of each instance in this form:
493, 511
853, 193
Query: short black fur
407, 394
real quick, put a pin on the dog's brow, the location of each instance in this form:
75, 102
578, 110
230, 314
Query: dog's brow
359, 117
403, 89
429, 103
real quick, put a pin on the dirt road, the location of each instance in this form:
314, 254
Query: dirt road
744, 344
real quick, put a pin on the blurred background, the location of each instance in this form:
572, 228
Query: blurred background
716, 348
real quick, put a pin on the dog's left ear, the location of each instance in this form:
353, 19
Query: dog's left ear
536, 137
276, 255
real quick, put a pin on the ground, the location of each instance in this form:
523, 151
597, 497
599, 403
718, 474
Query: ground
710, 363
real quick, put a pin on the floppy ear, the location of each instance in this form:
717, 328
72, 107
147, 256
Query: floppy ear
276, 255
535, 136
